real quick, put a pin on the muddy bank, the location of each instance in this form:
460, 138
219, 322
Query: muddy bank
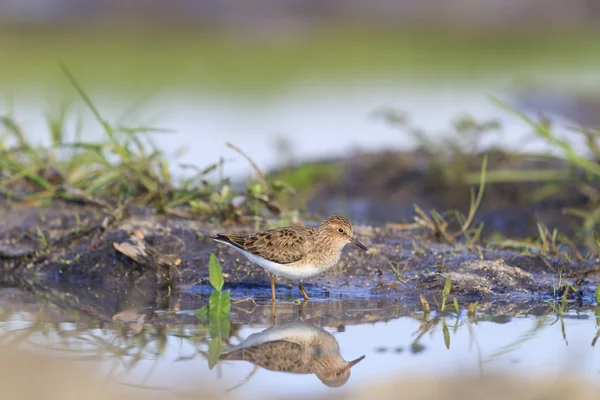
101, 304
83, 250
380, 188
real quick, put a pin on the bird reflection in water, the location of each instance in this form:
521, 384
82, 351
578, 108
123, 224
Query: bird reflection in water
298, 348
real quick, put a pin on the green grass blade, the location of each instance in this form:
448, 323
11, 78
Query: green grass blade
214, 273
215, 348
446, 292
446, 333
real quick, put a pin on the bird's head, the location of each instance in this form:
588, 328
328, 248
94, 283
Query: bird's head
339, 230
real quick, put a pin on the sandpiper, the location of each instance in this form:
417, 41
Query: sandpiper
298, 348
295, 252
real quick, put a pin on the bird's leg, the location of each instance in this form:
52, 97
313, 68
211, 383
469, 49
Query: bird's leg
273, 319
303, 291
301, 309
273, 280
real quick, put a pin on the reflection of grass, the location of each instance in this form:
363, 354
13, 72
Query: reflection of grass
431, 325
212, 60
122, 345
540, 324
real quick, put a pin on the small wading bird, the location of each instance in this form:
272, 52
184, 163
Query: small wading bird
298, 348
295, 252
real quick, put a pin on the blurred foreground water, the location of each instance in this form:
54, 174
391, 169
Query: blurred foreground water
164, 353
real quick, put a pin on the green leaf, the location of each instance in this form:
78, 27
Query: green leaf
215, 348
456, 307
446, 333
214, 272
447, 286
202, 313
219, 305
219, 328
598, 294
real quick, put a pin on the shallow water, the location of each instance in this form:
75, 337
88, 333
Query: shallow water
164, 351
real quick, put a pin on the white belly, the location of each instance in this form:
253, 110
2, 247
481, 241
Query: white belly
291, 332
288, 271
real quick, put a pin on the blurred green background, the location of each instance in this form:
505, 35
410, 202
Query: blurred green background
294, 80
263, 46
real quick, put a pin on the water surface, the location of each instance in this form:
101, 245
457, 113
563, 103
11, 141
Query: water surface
164, 352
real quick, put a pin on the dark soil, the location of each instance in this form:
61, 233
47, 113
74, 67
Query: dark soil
380, 188
80, 251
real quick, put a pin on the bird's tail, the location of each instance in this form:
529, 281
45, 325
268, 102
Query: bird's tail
235, 240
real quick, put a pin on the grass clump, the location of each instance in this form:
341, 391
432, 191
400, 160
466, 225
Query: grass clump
439, 223
546, 243
569, 176
121, 167
580, 172
446, 293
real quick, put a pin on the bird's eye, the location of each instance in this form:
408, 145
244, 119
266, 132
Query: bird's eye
338, 373
341, 230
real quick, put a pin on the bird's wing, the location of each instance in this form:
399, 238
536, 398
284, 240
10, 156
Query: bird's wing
280, 245
280, 355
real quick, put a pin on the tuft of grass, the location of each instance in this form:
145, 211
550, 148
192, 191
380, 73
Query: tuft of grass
548, 243
446, 293
121, 167
439, 224
561, 290
579, 172
453, 161
42, 239
398, 270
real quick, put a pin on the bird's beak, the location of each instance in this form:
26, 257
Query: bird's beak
358, 244
354, 362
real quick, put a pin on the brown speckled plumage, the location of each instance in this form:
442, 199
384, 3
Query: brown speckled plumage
281, 245
295, 252
297, 348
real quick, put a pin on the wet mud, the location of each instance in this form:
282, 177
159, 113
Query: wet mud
67, 244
